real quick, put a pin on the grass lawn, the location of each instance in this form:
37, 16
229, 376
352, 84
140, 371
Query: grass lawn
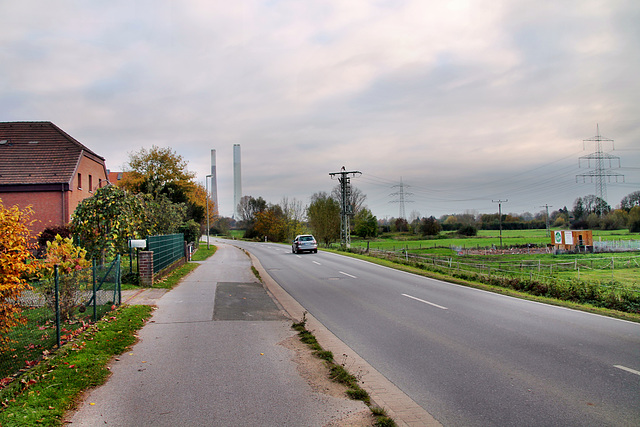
203, 253
47, 391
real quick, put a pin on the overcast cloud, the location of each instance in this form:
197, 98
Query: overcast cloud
465, 101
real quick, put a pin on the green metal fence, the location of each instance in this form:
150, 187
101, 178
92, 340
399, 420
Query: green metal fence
55, 309
167, 249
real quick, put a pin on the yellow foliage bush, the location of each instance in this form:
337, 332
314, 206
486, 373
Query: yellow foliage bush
16, 262
72, 268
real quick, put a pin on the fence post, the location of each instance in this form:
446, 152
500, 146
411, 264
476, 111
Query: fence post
56, 278
117, 294
612, 268
145, 263
95, 296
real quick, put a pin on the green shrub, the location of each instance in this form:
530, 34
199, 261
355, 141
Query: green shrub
468, 230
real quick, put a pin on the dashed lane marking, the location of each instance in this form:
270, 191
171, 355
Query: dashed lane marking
624, 368
347, 274
426, 302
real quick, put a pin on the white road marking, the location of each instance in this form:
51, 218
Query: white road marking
347, 274
298, 256
624, 368
316, 262
426, 302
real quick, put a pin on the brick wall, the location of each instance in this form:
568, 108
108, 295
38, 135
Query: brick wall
50, 207
88, 168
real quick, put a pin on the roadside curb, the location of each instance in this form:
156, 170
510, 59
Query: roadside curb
383, 393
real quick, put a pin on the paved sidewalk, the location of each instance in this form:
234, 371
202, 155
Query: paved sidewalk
194, 367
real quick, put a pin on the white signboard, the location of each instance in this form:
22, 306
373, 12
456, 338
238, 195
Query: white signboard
558, 237
568, 238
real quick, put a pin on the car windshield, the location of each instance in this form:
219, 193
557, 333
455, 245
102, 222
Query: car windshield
306, 238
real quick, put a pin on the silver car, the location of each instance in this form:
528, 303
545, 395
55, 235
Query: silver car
304, 242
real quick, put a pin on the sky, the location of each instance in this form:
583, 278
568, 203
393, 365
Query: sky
454, 105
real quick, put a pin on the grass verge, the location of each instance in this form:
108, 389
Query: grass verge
203, 253
175, 276
339, 374
47, 391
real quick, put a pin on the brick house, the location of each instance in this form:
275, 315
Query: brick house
43, 166
116, 178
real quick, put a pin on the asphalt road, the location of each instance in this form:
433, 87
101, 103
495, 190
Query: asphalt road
467, 356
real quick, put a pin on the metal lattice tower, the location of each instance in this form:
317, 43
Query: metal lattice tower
346, 209
401, 194
599, 173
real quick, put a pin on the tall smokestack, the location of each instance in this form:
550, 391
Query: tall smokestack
214, 184
237, 180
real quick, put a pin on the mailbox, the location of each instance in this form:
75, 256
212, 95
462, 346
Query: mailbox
137, 243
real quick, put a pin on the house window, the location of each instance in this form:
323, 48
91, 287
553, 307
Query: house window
79, 181
99, 182
90, 184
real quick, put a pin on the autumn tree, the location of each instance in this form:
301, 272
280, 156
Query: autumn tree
157, 171
106, 221
634, 219
401, 225
248, 209
430, 226
197, 205
630, 200
356, 198
159, 215
365, 224
583, 206
270, 223
324, 217
161, 172
15, 265
293, 212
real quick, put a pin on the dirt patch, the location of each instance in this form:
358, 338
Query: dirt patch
316, 373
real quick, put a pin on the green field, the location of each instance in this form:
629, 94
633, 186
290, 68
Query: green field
620, 268
484, 239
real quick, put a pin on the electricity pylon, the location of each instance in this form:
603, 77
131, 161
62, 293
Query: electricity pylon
346, 210
599, 172
401, 198
547, 219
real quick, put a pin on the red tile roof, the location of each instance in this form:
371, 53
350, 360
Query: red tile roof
38, 153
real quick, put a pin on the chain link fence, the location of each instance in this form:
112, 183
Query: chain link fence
56, 309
